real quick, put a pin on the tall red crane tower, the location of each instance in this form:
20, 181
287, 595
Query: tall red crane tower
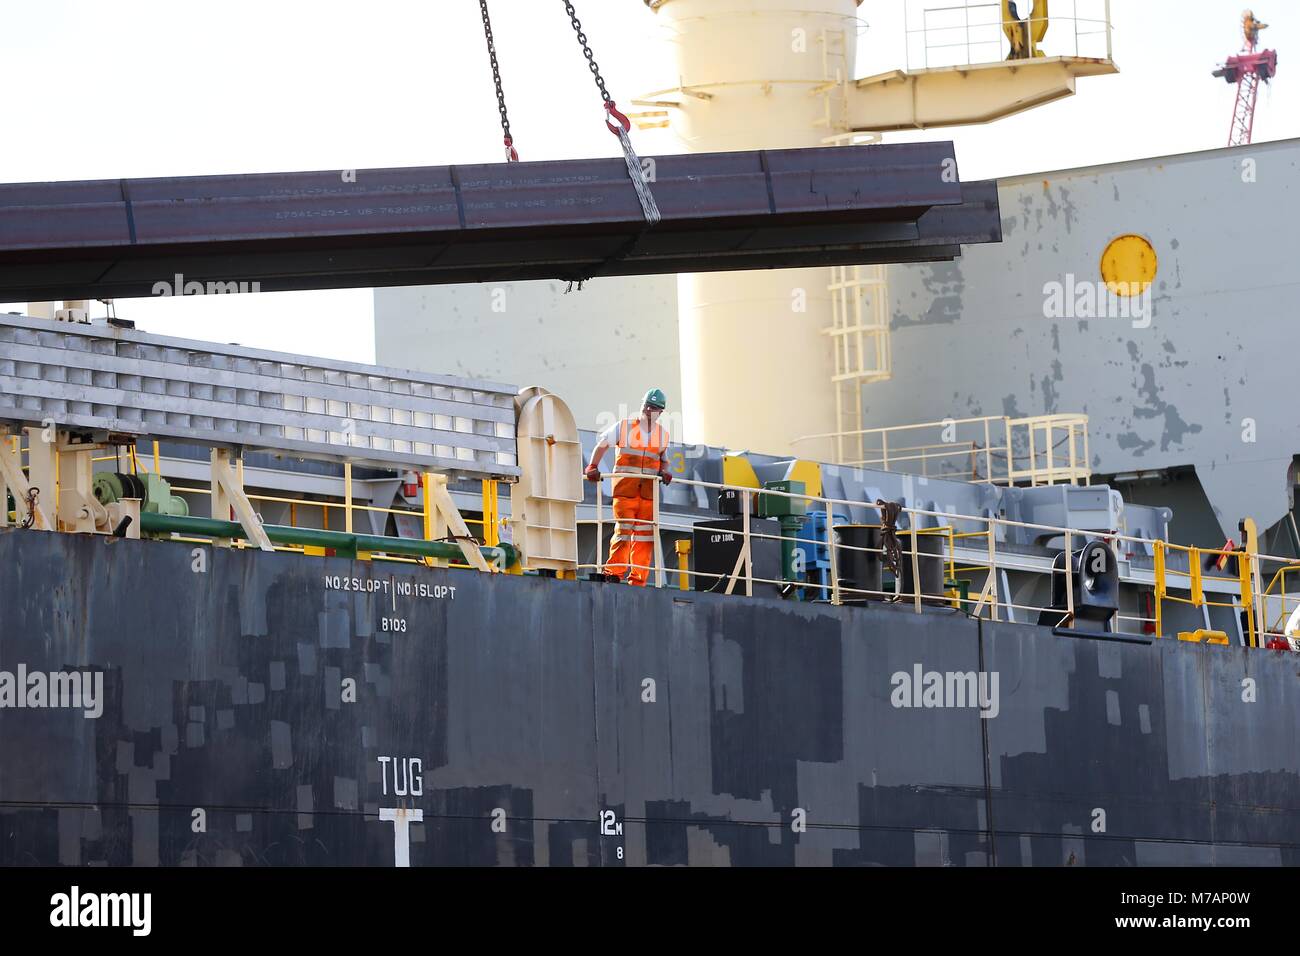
1247, 70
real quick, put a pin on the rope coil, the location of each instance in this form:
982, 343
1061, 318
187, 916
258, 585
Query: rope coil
891, 550
32, 495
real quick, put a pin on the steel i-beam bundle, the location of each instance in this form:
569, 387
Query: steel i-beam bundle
572, 219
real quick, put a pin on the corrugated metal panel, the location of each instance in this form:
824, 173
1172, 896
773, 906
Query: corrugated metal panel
102, 378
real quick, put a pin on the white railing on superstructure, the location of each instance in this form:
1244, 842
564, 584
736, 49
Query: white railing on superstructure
946, 33
1036, 450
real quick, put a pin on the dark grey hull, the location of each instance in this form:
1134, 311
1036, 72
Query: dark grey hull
773, 737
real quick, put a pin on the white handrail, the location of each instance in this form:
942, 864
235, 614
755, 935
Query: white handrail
744, 563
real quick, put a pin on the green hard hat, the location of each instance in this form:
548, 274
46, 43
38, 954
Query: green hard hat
655, 398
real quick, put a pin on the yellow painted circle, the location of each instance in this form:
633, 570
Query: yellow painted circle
1129, 264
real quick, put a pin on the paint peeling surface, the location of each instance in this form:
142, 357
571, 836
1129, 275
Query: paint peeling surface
513, 725
1194, 382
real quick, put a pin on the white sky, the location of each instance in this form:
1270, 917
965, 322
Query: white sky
101, 89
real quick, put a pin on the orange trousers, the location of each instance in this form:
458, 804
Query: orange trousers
633, 546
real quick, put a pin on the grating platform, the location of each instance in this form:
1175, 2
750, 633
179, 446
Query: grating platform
103, 379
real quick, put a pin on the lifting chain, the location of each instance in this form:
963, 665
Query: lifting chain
586, 51
32, 495
511, 154
619, 125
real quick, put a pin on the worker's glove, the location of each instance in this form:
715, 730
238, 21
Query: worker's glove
666, 475
592, 473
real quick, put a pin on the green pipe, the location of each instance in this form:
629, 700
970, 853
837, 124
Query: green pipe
343, 543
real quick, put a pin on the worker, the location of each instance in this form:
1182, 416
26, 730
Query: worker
641, 448
1252, 26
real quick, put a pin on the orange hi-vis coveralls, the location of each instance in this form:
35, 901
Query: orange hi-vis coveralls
636, 452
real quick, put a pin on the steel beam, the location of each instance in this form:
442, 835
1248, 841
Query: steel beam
573, 219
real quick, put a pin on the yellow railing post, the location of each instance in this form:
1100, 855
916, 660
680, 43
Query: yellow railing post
683, 546
426, 485
1159, 547
1244, 572
347, 497
1194, 565
491, 513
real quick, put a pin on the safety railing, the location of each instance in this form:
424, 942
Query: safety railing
964, 552
946, 33
130, 461
1279, 607
346, 506
347, 509
1037, 450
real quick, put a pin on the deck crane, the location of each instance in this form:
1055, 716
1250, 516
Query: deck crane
1247, 69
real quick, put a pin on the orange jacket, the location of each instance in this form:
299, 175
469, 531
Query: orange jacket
638, 452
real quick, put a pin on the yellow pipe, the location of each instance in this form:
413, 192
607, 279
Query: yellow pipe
157, 461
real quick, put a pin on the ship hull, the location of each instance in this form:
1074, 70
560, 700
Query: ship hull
274, 709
